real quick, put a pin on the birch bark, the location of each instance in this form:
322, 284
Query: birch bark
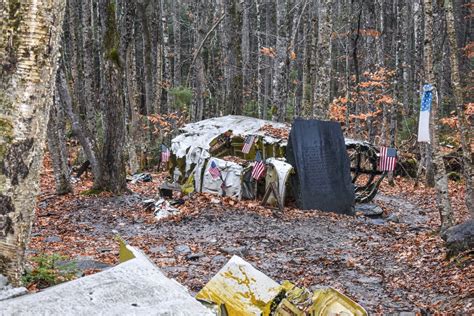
28, 56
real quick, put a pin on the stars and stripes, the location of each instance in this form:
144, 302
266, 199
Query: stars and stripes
214, 171
259, 167
425, 110
165, 154
248, 144
387, 159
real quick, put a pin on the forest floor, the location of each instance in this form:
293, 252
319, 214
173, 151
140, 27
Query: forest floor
385, 266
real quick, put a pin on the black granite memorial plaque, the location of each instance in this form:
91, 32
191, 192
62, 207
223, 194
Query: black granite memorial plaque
317, 151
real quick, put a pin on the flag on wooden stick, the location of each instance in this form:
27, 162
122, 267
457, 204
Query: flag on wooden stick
425, 109
214, 171
387, 159
259, 167
165, 154
248, 144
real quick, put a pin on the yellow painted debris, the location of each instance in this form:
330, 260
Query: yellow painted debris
285, 308
328, 302
125, 254
241, 288
188, 186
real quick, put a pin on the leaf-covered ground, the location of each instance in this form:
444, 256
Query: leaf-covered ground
385, 266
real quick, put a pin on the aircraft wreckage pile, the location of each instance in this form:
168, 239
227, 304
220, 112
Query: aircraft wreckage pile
220, 140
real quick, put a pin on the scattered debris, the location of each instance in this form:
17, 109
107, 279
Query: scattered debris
240, 289
401, 255
161, 208
140, 177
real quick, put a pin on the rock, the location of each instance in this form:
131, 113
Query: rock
218, 259
52, 239
240, 251
137, 281
174, 270
182, 249
460, 238
12, 292
205, 259
370, 210
369, 280
393, 218
159, 249
195, 256
407, 314
377, 221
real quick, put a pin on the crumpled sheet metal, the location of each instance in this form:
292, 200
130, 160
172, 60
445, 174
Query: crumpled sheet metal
194, 143
283, 170
231, 174
161, 208
241, 288
328, 301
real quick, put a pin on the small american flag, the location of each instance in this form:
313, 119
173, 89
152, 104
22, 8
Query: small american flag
259, 167
165, 154
248, 144
214, 171
387, 159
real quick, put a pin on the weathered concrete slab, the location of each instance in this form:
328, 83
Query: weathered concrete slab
135, 287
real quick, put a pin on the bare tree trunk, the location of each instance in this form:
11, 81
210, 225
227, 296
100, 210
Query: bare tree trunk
231, 58
147, 65
176, 44
57, 147
268, 61
245, 48
28, 54
166, 53
198, 67
79, 127
88, 64
280, 91
260, 73
112, 152
468, 169
441, 180
323, 81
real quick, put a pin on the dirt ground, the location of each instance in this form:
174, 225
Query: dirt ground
383, 265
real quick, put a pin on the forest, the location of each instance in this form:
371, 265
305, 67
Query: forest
95, 92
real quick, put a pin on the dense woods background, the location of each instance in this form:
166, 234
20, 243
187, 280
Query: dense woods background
358, 62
